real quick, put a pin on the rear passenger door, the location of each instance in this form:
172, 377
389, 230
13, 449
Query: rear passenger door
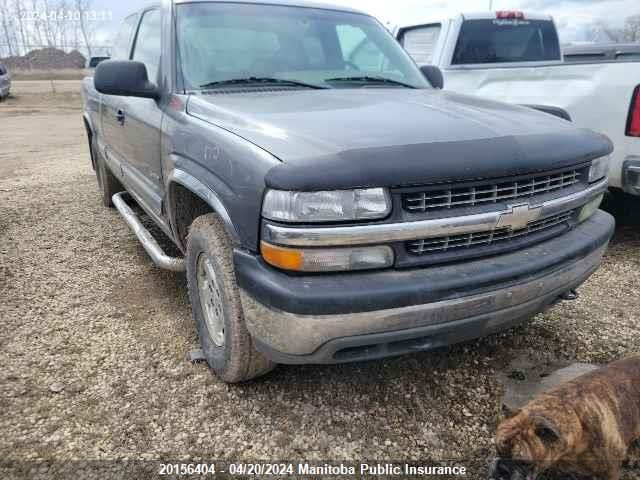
143, 120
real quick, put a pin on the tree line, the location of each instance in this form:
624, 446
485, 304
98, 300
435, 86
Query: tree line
630, 33
65, 24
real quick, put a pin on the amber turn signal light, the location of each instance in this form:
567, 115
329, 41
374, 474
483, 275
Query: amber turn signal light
327, 259
286, 258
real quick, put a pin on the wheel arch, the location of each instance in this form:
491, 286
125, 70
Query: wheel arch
86, 120
188, 198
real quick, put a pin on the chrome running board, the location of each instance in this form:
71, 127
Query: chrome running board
161, 259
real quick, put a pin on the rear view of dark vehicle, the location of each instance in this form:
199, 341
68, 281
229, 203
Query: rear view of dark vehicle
5, 82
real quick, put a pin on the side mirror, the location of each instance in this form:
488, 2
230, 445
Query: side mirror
434, 75
94, 61
124, 78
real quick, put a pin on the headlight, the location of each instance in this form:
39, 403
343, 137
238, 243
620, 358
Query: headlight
327, 259
599, 169
590, 208
326, 206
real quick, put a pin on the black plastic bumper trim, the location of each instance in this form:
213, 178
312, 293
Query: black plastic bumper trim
327, 294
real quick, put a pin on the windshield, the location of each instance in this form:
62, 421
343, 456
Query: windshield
228, 41
503, 41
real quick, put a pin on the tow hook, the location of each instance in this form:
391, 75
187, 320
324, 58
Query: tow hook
569, 295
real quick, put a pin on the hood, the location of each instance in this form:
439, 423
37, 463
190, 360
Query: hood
392, 136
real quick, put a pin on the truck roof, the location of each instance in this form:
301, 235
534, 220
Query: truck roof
291, 3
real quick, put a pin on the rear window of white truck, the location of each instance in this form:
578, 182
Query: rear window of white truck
499, 40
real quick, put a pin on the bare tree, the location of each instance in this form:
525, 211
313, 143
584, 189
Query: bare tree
83, 7
63, 25
47, 24
629, 33
23, 32
7, 27
75, 41
36, 22
603, 32
632, 29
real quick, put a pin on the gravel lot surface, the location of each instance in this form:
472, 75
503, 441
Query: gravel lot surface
94, 339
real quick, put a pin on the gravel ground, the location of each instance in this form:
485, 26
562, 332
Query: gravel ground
94, 340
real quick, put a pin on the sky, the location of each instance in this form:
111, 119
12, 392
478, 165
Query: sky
573, 17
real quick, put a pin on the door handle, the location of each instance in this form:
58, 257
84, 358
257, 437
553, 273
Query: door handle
120, 116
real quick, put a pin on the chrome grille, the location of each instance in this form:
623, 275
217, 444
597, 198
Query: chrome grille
479, 239
488, 193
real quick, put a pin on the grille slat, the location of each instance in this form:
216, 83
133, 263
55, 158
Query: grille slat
488, 193
486, 238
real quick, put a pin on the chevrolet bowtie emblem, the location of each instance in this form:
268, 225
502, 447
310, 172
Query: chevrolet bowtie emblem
519, 217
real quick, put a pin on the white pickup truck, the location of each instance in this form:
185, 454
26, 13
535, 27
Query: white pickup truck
516, 57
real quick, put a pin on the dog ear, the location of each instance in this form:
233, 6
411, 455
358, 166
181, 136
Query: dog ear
508, 412
546, 431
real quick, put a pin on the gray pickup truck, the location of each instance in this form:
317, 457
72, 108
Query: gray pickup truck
330, 204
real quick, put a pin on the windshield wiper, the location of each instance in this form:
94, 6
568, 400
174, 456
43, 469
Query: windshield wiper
260, 81
369, 79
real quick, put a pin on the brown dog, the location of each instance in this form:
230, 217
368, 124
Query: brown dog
584, 426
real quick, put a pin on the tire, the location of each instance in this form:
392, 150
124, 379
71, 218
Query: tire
108, 184
229, 349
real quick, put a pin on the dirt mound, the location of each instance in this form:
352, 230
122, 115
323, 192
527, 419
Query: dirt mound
45, 59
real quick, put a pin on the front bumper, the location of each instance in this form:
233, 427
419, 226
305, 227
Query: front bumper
333, 318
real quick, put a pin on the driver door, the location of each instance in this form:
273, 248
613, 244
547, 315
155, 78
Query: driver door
142, 170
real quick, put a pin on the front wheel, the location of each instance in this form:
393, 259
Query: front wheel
215, 302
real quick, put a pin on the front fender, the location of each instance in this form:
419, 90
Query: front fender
223, 169
191, 183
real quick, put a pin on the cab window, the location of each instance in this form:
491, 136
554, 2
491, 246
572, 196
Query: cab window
122, 42
148, 44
